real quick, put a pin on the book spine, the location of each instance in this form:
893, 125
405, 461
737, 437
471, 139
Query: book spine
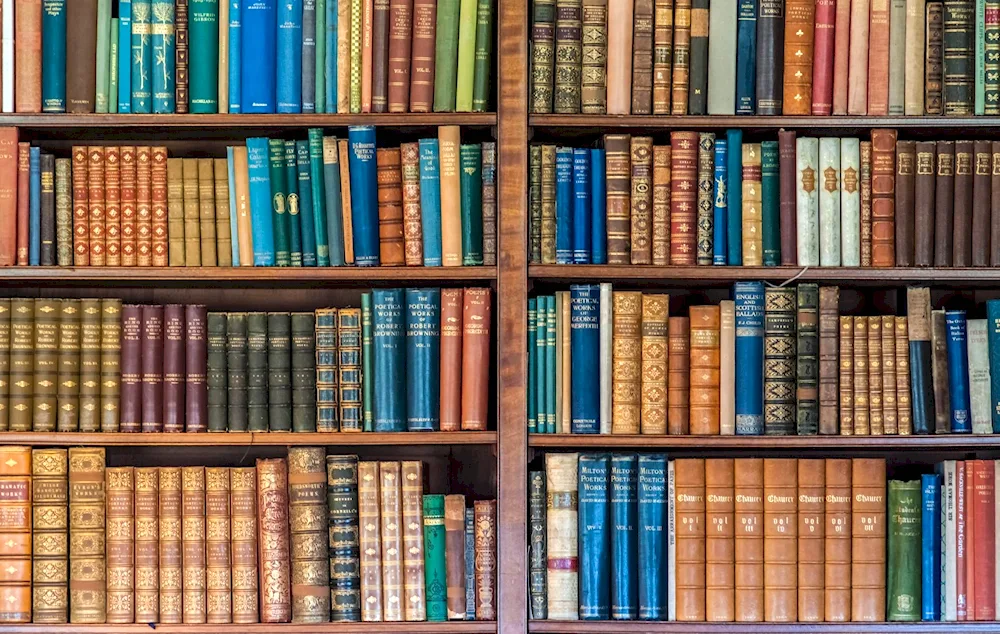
434, 557
798, 64
537, 538
234, 59
829, 360
413, 541
807, 366
131, 368
90, 362
164, 47
216, 372
342, 502
170, 545
585, 332
413, 253
141, 56
120, 483
963, 204
561, 543
476, 321
388, 342
641, 201
706, 203
846, 376
446, 54
349, 363
779, 372
829, 202
806, 201
734, 192
979, 377
689, 511
811, 539
423, 335
489, 202
770, 179
243, 544
204, 65
68, 363
837, 540
824, 45
748, 520
259, 42
930, 548
327, 374
651, 522
626, 366
303, 372
841, 52
307, 513
875, 377
144, 206
868, 549
50, 545
152, 368
111, 334
624, 536
470, 166
451, 359
991, 67
368, 363
642, 57
15, 590
751, 201
957, 52
468, 10
391, 518
617, 174
193, 536
364, 210
174, 359
46, 358
53, 53
218, 548
720, 555
704, 366
370, 542
958, 371
720, 195
722, 58
308, 49
87, 513
421, 72
933, 59
683, 199
780, 539
746, 57
749, 297
618, 61
594, 51
787, 197
879, 59
273, 519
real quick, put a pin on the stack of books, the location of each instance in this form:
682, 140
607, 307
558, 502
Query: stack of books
292, 540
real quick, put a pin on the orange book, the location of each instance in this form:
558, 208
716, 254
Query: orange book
704, 370
868, 558
127, 166
837, 541
95, 200
678, 362
158, 199
452, 304
8, 196
720, 547
143, 206
242, 193
812, 529
780, 540
15, 531
112, 206
689, 510
749, 524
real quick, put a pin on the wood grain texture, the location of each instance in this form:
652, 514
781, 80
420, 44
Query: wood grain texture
648, 627
838, 124
332, 439
454, 627
98, 121
747, 445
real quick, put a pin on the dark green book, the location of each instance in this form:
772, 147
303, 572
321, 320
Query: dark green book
43, 416
279, 372
236, 369
22, 364
903, 584
90, 364
282, 222
326, 370
345, 568
770, 188
217, 373
257, 371
471, 163
446, 56
318, 184
303, 372
292, 203
68, 390
484, 47
367, 365
203, 70
435, 579
807, 361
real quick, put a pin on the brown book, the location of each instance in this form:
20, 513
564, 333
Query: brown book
878, 60
866, 203
681, 57
485, 566
147, 545
663, 53
800, 20
994, 203
81, 69
475, 381
678, 375
655, 309
829, 360
594, 35
704, 370
661, 205
223, 228
195, 368
345, 192
370, 541
412, 491
964, 183
131, 368
904, 415
780, 540
15, 580
890, 422
618, 174
173, 367
812, 530
111, 350
272, 502
642, 196
206, 212
547, 229
749, 523
413, 253
88, 574
618, 81
5, 362
642, 58
50, 544
95, 202
939, 372
422, 63
191, 233
846, 376
398, 91
112, 206
981, 201
876, 423
152, 368
452, 327
243, 516
143, 206
683, 197
841, 47
193, 544
244, 233
307, 514
720, 547
175, 212
181, 56
120, 483
923, 196
390, 207
22, 196
944, 203
934, 61
454, 523
689, 509
218, 547
868, 557
706, 198
171, 545
391, 513
90, 364
904, 202
46, 364
626, 369
837, 540
127, 167
883, 196
786, 204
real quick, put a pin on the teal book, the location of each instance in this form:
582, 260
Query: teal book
903, 593
435, 575
261, 212
203, 67
333, 202
306, 207
466, 55
532, 351
980, 103
594, 527
423, 359
235, 68
113, 69
292, 202
484, 47
624, 537
471, 165
550, 364
652, 526
430, 201
289, 56
282, 224
124, 70
142, 57
770, 187
389, 351
103, 88
316, 182
367, 364
446, 55
320, 65
541, 373
164, 47
54, 55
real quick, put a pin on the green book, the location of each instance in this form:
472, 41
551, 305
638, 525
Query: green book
445, 56
980, 104
466, 55
903, 583
292, 204
321, 58
367, 365
113, 69
345, 567
279, 372
282, 221
217, 374
236, 370
203, 64
316, 180
550, 364
257, 371
435, 579
103, 56
484, 48
356, 57
303, 372
770, 188
471, 163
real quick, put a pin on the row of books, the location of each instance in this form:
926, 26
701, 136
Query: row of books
413, 360
322, 56
303, 540
774, 361
316, 202
841, 57
806, 201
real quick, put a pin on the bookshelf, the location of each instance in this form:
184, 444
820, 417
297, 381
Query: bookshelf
261, 628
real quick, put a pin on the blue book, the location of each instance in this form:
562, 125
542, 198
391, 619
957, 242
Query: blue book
958, 371
993, 341
564, 205
585, 347
598, 213
329, 65
293, 204
333, 201
624, 537
261, 212
430, 201
310, 74
594, 526
746, 59
260, 25
142, 57
749, 299
423, 359
930, 539
163, 47
235, 56
34, 206
233, 212
720, 196
734, 198
581, 206
314, 151
124, 36
652, 527
306, 211
388, 343
320, 57
54, 53
532, 351
550, 364
289, 56
470, 564
541, 365
364, 207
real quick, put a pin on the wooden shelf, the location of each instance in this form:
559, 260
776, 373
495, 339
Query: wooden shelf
651, 627
691, 122
200, 121
765, 443
448, 627
342, 439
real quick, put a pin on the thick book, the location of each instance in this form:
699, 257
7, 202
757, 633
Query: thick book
883, 198
342, 503
706, 203
561, 542
412, 489
787, 199
279, 372
868, 539
748, 519
651, 524
829, 202
584, 336
364, 209
746, 57
964, 200
244, 524
434, 557
193, 535
811, 539
837, 540
595, 529
752, 202
904, 558
50, 547
722, 30
944, 201
798, 72
979, 377
807, 362
749, 298
303, 368
807, 200
720, 546
87, 512
653, 399
704, 370
689, 511
536, 538
309, 539
16, 583
958, 55
940, 370
780, 539
829, 360
681, 77
454, 524
390, 206
273, 540
218, 547
779, 356
390, 360
641, 201
626, 368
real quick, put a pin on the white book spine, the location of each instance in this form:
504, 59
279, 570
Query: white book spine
722, 58
671, 545
727, 358
979, 377
7, 51
913, 98
829, 201
605, 357
807, 200
949, 578
850, 201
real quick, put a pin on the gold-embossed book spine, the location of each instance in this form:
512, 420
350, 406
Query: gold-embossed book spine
370, 542
654, 363
243, 515
218, 546
120, 483
50, 537
307, 512
147, 545
88, 573
413, 540
170, 545
15, 534
392, 541
626, 373
193, 540
272, 502
342, 500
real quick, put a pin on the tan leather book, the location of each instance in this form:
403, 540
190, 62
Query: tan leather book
171, 546
175, 211
752, 206
370, 541
193, 540
812, 530
846, 376
883, 196
618, 172
704, 370
642, 200
412, 224
837, 541
343, 152
192, 220
861, 412
727, 367
218, 546
206, 212
112, 206
28, 55
561, 545
661, 205
307, 514
654, 363
392, 540
144, 206
681, 57
412, 488
857, 80
158, 205
749, 538
619, 62
829, 360
720, 546
87, 556
798, 70
485, 549
95, 203
875, 420
868, 558
454, 526
904, 413
890, 425
223, 228
780, 540
127, 167
626, 368
477, 308
81, 210
147, 545
243, 516
15, 558
244, 234
120, 483
452, 302
451, 205
50, 541
678, 375
272, 505
390, 206
689, 511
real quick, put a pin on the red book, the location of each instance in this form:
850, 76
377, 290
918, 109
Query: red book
684, 197
128, 218
158, 204
878, 59
983, 509
970, 540
8, 196
112, 206
823, 53
841, 55
960, 542
81, 210
23, 176
476, 325
95, 198
451, 359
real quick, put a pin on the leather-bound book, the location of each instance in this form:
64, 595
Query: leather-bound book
454, 524
568, 53
944, 203
689, 509
95, 203
236, 371
152, 368
422, 61
110, 194
391, 516
5, 361
727, 367
412, 494
193, 544
257, 372
958, 50
653, 417
663, 53
127, 169
9, 204
642, 57
81, 68
704, 370
536, 537
618, 175
22, 363
223, 228
749, 528
191, 222
397, 84
174, 359
780, 539
866, 203
272, 502
934, 58
216, 371
46, 362
370, 541
486, 559
218, 553
561, 540
476, 325
131, 368
303, 343
452, 328
841, 52
914, 34
868, 531
837, 540
594, 98
28, 55
64, 211
87, 576
307, 513
981, 199
342, 501
181, 56
50, 544
412, 227
206, 212
905, 201
144, 206
171, 545
939, 371
327, 392
16, 533
47, 202
120, 483
876, 424
642, 199
890, 423
706, 199
626, 367
829, 360
683, 198
243, 518
878, 60
846, 376
904, 415
964, 183
22, 195
661, 204
786, 206
811, 534
547, 188
68, 373
111, 349
779, 361
147, 545
995, 205
279, 372
678, 375
698, 77
434, 558
752, 206
807, 362
923, 197
883, 197
771, 46
681, 57
857, 81
175, 212
390, 207
824, 46
90, 362
619, 57
720, 548
799, 34
349, 363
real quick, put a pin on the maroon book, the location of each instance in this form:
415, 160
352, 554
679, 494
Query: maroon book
152, 368
196, 361
131, 394
173, 367
822, 89
786, 175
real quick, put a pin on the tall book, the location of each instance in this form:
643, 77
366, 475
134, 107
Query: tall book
958, 55
272, 502
193, 535
88, 572
50, 543
218, 547
243, 519
626, 369
868, 539
653, 415
748, 518
595, 536
147, 544
120, 545
807, 367
689, 510
837, 540
342, 502
780, 539
779, 353
720, 546
16, 584
811, 539
561, 541
904, 557
749, 298
798, 63
309, 542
